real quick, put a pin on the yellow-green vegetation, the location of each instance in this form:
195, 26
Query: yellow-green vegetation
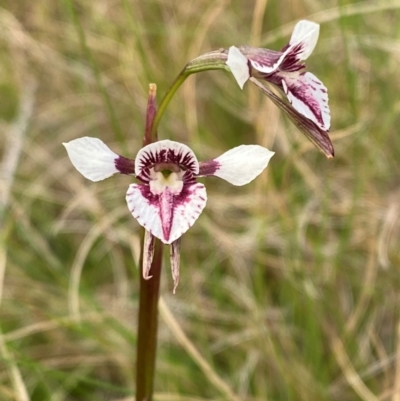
290, 286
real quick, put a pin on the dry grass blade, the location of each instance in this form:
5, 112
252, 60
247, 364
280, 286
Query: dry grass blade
21, 393
332, 14
349, 372
189, 347
3, 262
396, 384
77, 266
15, 140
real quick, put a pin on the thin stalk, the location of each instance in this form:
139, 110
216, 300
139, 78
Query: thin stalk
180, 79
147, 328
210, 61
149, 137
150, 285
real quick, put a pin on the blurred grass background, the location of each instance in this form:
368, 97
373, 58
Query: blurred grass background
290, 286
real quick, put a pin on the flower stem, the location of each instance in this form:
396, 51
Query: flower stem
210, 61
180, 79
149, 289
147, 328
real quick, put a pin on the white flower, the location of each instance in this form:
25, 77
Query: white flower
167, 200
285, 69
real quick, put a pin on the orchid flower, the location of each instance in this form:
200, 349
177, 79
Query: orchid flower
168, 199
286, 70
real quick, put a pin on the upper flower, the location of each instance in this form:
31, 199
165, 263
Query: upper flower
285, 69
168, 199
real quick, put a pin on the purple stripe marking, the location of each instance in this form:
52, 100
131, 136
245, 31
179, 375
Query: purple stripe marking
125, 165
181, 159
209, 168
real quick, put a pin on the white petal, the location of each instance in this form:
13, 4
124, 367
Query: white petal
242, 164
309, 97
238, 64
302, 43
166, 151
186, 209
92, 158
307, 33
266, 61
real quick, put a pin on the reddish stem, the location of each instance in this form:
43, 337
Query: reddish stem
147, 328
149, 291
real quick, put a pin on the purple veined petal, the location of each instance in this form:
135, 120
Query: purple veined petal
307, 33
166, 202
309, 97
302, 43
166, 216
166, 151
148, 253
188, 207
238, 64
95, 160
239, 165
144, 207
175, 259
314, 133
263, 60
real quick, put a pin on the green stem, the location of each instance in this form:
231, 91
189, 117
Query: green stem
147, 328
210, 61
166, 99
